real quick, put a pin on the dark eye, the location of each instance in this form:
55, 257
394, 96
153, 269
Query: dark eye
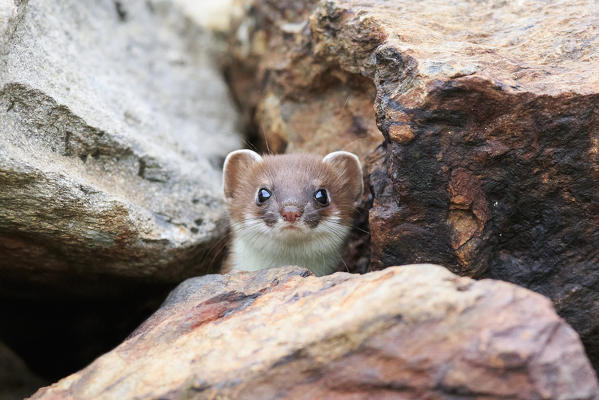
321, 197
263, 195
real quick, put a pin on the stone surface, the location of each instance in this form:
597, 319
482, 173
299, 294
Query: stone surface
412, 332
213, 14
488, 114
299, 103
114, 120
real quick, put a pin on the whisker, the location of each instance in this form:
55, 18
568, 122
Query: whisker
250, 145
343, 261
350, 226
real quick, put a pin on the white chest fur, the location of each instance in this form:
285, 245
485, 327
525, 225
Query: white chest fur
256, 246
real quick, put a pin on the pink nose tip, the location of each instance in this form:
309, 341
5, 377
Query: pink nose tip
290, 214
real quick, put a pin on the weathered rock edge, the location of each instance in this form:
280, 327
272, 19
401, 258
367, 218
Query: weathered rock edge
114, 119
418, 332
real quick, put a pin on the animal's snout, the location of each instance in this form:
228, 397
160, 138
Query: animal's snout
291, 213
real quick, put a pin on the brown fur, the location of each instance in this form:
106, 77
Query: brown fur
292, 179
295, 176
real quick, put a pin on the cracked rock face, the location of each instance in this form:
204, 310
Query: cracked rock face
413, 332
487, 118
114, 120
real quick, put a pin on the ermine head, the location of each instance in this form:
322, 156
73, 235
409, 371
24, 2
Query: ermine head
292, 197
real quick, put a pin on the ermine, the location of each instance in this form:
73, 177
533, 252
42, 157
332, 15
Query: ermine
290, 209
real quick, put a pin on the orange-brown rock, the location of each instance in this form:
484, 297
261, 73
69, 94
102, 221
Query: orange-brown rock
299, 103
489, 116
412, 332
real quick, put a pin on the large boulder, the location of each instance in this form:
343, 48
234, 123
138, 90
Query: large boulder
412, 332
114, 120
488, 118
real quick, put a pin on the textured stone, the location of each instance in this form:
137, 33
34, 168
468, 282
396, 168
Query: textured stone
412, 332
213, 14
114, 120
299, 103
488, 114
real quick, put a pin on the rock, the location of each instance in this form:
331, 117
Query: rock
488, 113
415, 332
213, 14
299, 103
16, 380
114, 120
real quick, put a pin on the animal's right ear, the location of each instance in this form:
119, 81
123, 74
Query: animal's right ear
236, 163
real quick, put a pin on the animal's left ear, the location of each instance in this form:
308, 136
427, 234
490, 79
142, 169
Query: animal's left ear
348, 165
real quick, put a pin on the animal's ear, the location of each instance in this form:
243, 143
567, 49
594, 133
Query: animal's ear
236, 164
348, 166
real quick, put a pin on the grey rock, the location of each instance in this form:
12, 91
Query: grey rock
114, 120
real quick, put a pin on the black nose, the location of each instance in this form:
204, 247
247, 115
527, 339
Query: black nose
290, 213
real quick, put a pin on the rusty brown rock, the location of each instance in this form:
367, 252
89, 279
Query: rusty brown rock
412, 332
298, 103
489, 115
